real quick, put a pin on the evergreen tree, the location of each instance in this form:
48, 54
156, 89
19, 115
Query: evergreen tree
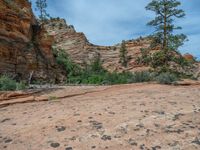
166, 12
41, 7
123, 54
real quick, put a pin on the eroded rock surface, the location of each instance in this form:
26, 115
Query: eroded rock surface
25, 47
82, 51
122, 117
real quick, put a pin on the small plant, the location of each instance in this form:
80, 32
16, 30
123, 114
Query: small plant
63, 59
123, 55
166, 78
96, 64
143, 76
7, 84
145, 57
52, 98
21, 85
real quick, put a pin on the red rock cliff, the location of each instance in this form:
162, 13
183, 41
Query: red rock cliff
25, 47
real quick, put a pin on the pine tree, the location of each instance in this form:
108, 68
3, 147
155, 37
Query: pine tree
166, 12
123, 54
41, 7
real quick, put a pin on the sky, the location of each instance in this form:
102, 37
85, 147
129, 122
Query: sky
108, 22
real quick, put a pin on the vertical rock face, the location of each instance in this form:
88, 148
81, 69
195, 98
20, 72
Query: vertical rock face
81, 51
25, 47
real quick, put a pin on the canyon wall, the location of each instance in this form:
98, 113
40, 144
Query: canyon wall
25, 47
81, 50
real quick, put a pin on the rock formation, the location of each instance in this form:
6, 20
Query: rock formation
81, 50
25, 48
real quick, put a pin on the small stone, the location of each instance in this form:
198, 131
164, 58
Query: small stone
93, 147
61, 128
106, 137
69, 148
4, 120
8, 140
156, 147
196, 141
55, 145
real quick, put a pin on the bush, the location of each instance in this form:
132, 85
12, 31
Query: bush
7, 83
21, 85
143, 76
117, 78
63, 59
166, 78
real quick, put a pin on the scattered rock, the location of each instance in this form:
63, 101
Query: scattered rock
177, 116
196, 141
106, 137
61, 128
55, 145
69, 148
93, 147
156, 147
132, 142
8, 140
96, 125
4, 120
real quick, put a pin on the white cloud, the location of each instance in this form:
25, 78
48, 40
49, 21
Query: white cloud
107, 22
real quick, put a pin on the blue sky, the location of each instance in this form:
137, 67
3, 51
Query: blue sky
108, 22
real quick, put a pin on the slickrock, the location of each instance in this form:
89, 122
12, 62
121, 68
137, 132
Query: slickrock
122, 117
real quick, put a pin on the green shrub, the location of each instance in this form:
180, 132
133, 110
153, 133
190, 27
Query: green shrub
21, 85
143, 76
63, 59
166, 78
7, 83
96, 65
145, 57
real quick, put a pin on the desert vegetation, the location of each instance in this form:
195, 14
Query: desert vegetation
166, 64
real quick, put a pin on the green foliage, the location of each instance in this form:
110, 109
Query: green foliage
41, 7
63, 59
123, 54
166, 12
94, 73
181, 61
52, 98
8, 84
145, 57
96, 65
143, 76
21, 85
166, 78
160, 59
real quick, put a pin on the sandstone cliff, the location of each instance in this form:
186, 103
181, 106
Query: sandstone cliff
25, 47
81, 51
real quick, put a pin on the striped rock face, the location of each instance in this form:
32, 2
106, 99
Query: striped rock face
81, 50
24, 45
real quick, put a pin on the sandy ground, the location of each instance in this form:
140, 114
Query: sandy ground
125, 117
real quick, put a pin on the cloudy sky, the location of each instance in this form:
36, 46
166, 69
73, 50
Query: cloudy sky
107, 22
